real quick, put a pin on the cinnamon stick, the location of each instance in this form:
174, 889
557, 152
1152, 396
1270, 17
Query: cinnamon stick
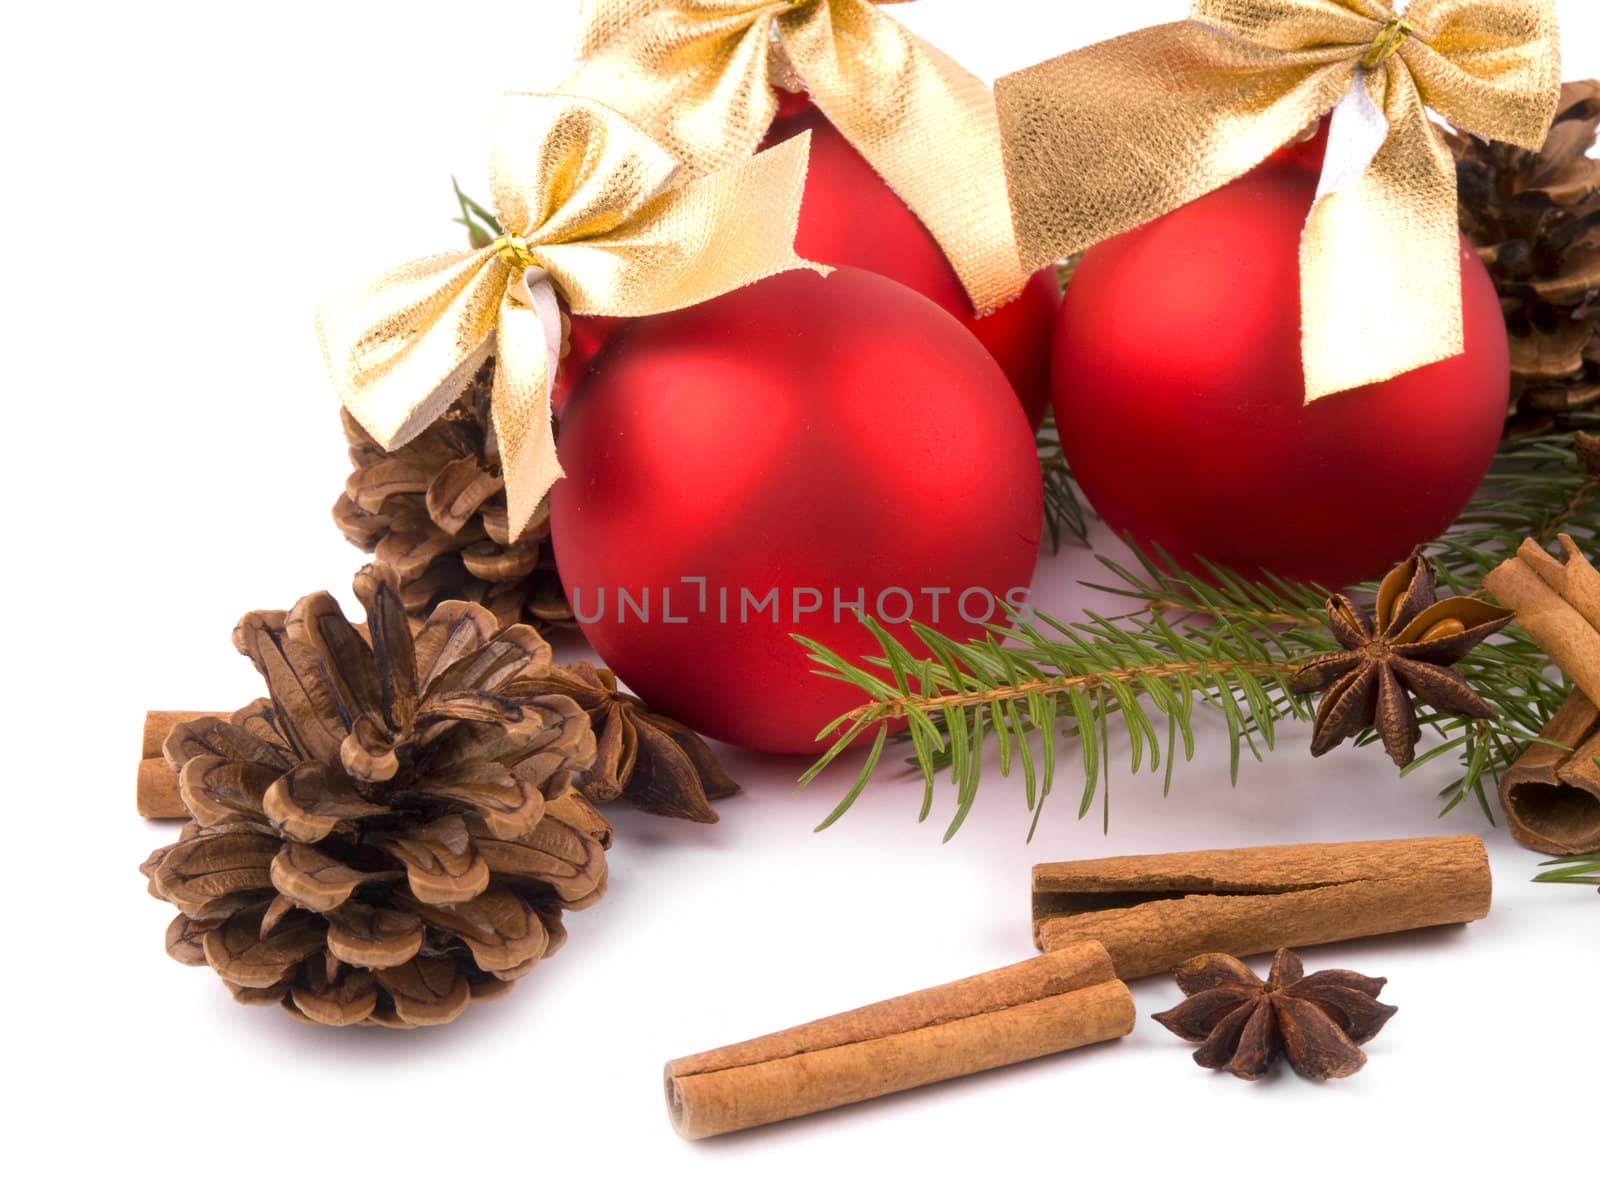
1558, 603
1551, 797
1057, 1001
1154, 911
156, 793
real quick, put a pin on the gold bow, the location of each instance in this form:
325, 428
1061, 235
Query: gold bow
585, 200
1103, 139
698, 75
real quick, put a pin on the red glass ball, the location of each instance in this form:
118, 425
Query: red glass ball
850, 217
1180, 396
827, 441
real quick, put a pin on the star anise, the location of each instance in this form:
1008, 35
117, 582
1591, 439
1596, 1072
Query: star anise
1317, 1022
1403, 651
645, 759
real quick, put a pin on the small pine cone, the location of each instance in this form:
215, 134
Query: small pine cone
1535, 220
435, 511
391, 834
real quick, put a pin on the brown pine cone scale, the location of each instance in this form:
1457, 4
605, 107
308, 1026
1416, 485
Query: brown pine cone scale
1534, 218
392, 833
435, 511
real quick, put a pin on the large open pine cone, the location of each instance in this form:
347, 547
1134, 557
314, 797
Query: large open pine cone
435, 510
394, 832
1535, 220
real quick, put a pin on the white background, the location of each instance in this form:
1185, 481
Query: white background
182, 184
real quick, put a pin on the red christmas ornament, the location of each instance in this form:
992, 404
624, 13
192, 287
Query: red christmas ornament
849, 216
1180, 397
755, 466
586, 337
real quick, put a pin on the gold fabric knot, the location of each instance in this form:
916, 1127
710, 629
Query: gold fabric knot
1106, 138
1386, 43
699, 74
513, 250
596, 221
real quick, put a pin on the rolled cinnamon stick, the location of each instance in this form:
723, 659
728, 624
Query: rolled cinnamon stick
1057, 1001
1551, 797
1558, 603
156, 793
1154, 911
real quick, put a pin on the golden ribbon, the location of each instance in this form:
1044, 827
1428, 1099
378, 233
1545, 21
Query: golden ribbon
585, 199
1103, 139
698, 75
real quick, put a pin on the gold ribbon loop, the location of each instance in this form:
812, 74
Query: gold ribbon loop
698, 75
1106, 138
591, 219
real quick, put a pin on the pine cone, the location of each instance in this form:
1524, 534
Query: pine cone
391, 834
435, 510
1535, 220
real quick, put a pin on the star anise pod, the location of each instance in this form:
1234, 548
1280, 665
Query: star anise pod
645, 759
1403, 651
1317, 1022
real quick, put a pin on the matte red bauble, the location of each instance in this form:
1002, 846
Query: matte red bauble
586, 336
849, 216
1180, 397
755, 466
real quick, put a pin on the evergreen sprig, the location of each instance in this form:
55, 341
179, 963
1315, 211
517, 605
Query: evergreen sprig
1064, 514
1537, 489
482, 225
1187, 643
1580, 868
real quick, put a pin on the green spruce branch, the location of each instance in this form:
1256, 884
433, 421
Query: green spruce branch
1182, 644
1581, 868
482, 226
1064, 514
1536, 490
